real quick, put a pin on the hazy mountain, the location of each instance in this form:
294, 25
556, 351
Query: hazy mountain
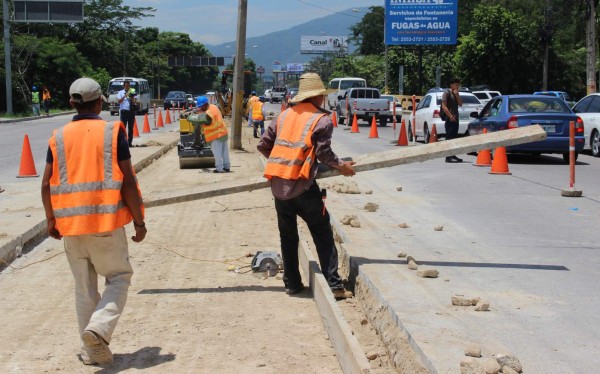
284, 46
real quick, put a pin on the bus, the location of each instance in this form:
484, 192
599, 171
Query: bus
141, 87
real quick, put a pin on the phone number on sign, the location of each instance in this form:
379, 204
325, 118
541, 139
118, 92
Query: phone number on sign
417, 39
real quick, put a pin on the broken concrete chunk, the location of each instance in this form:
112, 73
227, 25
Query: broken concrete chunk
460, 300
428, 273
399, 188
404, 225
348, 217
412, 265
482, 306
509, 360
439, 228
402, 254
473, 350
490, 366
411, 258
355, 223
508, 370
475, 300
371, 207
469, 365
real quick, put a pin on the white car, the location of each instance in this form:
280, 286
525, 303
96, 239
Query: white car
588, 109
485, 96
427, 115
268, 93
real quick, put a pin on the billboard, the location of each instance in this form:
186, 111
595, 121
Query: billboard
295, 68
417, 22
323, 44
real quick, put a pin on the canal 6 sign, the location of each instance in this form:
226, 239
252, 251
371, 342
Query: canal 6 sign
416, 22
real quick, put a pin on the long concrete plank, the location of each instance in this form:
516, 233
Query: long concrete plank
394, 157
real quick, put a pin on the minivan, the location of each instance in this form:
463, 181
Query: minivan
141, 87
340, 85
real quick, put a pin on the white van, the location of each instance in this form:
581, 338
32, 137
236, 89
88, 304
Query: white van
141, 87
341, 85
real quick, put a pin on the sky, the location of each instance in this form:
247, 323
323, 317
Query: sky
215, 22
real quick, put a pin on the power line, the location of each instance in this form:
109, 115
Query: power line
329, 10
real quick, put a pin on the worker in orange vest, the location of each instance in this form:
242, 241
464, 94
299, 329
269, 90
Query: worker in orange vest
251, 100
215, 133
258, 116
90, 193
292, 144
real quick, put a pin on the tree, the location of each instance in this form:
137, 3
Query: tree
368, 33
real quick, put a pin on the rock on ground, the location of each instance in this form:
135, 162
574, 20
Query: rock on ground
473, 350
509, 360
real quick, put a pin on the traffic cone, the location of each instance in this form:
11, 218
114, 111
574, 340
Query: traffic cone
334, 119
373, 133
168, 118
160, 121
484, 157
27, 168
146, 128
354, 124
136, 133
403, 138
433, 136
500, 163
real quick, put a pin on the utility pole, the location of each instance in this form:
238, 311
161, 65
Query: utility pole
547, 32
7, 64
238, 77
590, 41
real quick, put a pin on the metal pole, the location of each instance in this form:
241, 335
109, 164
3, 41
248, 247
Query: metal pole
158, 62
7, 63
386, 68
238, 77
590, 38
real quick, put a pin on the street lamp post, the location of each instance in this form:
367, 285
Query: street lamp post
385, 55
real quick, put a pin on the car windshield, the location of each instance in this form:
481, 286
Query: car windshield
175, 95
346, 84
469, 99
115, 87
279, 89
537, 105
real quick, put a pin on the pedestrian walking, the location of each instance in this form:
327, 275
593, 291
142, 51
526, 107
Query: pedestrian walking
90, 192
215, 133
258, 115
46, 100
35, 101
450, 102
294, 143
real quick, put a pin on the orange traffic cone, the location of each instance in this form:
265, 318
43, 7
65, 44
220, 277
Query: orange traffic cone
403, 138
500, 163
160, 121
27, 168
136, 133
146, 128
334, 119
354, 124
484, 157
168, 118
433, 136
373, 133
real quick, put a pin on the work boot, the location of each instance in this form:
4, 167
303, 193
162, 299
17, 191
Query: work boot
341, 293
293, 291
97, 348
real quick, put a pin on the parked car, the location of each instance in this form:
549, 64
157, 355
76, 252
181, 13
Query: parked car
190, 99
486, 95
337, 87
513, 111
365, 103
175, 99
267, 94
427, 115
588, 109
561, 94
278, 94
393, 100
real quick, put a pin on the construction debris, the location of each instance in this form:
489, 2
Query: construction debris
347, 218
428, 273
482, 306
404, 225
399, 188
355, 223
473, 350
490, 366
402, 254
508, 360
439, 228
460, 300
371, 207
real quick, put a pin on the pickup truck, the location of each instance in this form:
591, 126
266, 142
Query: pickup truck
278, 94
365, 103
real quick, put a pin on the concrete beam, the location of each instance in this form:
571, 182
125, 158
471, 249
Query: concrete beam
384, 159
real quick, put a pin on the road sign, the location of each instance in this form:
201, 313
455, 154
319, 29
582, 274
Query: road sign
55, 11
196, 61
260, 70
421, 22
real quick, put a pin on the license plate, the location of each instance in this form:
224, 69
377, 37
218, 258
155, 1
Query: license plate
549, 128
369, 114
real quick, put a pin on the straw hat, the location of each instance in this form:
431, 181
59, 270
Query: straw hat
310, 85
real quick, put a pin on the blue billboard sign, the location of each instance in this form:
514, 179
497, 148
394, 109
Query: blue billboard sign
416, 22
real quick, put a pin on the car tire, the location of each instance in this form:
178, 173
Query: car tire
340, 119
566, 158
595, 143
426, 134
410, 133
383, 121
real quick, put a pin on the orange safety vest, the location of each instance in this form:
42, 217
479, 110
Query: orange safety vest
257, 111
293, 154
85, 186
251, 101
217, 128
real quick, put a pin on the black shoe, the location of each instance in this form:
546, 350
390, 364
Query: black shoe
456, 159
293, 291
451, 160
227, 170
256, 136
218, 171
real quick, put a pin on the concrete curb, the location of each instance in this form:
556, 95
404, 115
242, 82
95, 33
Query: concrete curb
380, 313
27, 240
24, 119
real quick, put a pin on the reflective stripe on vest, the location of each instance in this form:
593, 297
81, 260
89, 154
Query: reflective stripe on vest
217, 128
292, 156
86, 198
257, 111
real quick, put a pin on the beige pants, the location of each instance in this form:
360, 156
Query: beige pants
103, 254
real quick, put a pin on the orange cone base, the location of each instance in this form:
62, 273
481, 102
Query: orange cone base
433, 136
500, 172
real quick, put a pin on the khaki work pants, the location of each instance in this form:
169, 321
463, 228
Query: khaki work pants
103, 254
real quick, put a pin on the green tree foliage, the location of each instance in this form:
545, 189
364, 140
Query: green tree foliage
368, 33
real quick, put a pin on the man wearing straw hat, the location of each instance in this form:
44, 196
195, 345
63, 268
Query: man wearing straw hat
293, 143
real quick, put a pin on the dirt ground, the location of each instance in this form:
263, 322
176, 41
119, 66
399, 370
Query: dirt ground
189, 310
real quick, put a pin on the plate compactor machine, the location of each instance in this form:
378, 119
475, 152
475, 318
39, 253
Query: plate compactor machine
192, 149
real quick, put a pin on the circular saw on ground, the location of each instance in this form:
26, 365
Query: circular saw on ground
269, 261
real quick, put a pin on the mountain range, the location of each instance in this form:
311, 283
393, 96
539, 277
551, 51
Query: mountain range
284, 46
